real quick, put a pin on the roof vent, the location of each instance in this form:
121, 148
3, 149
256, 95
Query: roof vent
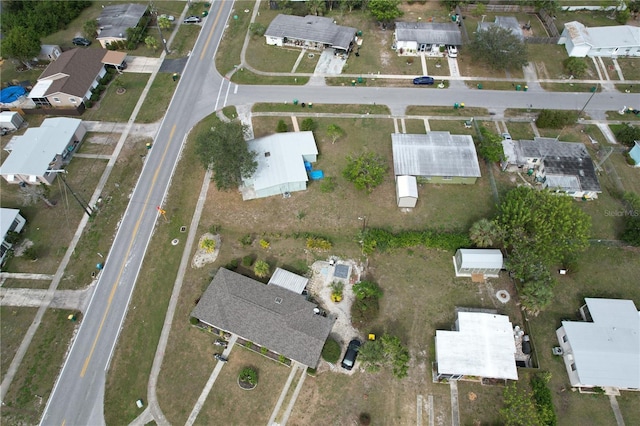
267, 154
278, 300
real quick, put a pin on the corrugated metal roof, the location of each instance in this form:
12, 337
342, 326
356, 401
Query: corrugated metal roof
483, 346
289, 280
434, 154
279, 158
33, 151
621, 36
429, 33
481, 258
318, 29
606, 351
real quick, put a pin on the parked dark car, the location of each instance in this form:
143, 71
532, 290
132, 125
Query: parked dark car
81, 41
423, 80
352, 352
192, 20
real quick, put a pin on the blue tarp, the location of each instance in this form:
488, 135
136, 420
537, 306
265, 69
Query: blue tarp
307, 166
11, 94
316, 174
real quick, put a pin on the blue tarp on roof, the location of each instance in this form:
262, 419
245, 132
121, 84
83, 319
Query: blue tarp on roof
11, 94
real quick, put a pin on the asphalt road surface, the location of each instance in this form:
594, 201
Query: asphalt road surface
78, 395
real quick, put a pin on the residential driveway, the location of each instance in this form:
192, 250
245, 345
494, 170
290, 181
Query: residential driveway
62, 299
142, 64
173, 65
329, 63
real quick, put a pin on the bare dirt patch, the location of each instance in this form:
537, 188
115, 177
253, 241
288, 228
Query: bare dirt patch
204, 256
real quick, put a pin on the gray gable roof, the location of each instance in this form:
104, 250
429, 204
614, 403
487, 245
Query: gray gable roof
318, 29
115, 19
269, 316
507, 22
429, 33
434, 154
568, 159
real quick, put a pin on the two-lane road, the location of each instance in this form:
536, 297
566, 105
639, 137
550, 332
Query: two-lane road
77, 398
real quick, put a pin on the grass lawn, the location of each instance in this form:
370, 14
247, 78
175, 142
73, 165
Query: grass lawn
157, 101
570, 87
15, 321
413, 126
18, 283
51, 229
228, 54
630, 68
519, 130
271, 58
100, 231
322, 108
10, 74
184, 41
548, 60
308, 62
244, 76
455, 127
435, 110
495, 85
32, 384
227, 400
133, 356
114, 107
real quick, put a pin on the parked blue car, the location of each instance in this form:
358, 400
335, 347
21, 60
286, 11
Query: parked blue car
423, 80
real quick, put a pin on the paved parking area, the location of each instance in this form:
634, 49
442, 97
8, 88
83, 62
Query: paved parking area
142, 64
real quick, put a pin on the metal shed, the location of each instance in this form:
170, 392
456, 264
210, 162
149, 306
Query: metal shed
289, 280
10, 120
406, 191
488, 262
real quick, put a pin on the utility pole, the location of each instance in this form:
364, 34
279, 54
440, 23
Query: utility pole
154, 11
83, 204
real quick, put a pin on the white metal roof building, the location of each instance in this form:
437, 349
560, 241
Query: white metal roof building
280, 158
41, 149
309, 32
488, 262
611, 41
289, 280
482, 345
604, 350
406, 191
10, 221
435, 154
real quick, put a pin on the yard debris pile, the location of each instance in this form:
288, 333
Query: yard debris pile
203, 255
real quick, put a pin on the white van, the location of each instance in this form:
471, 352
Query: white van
453, 51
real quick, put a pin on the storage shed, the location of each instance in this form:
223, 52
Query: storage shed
10, 120
406, 191
289, 280
634, 153
468, 262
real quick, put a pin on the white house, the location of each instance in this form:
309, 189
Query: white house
634, 153
603, 350
424, 38
482, 345
406, 191
309, 32
438, 157
10, 221
612, 41
42, 150
488, 262
563, 167
281, 170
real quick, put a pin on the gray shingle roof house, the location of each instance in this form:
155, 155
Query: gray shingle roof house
604, 349
42, 149
309, 32
67, 81
267, 315
507, 22
115, 19
439, 157
611, 41
413, 37
281, 168
561, 166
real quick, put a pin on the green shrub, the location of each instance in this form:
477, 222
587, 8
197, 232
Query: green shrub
248, 375
626, 134
308, 125
32, 253
247, 260
331, 351
282, 127
248, 344
629, 159
328, 185
193, 321
264, 350
382, 240
364, 311
556, 119
247, 240
94, 97
282, 359
365, 289
88, 103
543, 398
257, 29
318, 243
232, 265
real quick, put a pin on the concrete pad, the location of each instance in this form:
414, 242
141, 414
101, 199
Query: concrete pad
142, 64
329, 63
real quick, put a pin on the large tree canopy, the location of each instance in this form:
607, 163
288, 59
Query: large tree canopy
21, 44
385, 10
499, 48
225, 151
551, 225
386, 351
366, 171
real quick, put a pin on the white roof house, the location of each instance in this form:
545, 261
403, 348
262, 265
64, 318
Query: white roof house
488, 262
635, 153
482, 345
604, 349
440, 157
280, 158
289, 280
10, 221
42, 149
611, 41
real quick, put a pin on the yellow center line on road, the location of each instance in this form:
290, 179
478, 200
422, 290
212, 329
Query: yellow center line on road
133, 237
215, 23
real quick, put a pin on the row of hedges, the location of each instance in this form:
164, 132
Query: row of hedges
383, 240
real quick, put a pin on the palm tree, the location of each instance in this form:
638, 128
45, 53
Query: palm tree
485, 233
261, 269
